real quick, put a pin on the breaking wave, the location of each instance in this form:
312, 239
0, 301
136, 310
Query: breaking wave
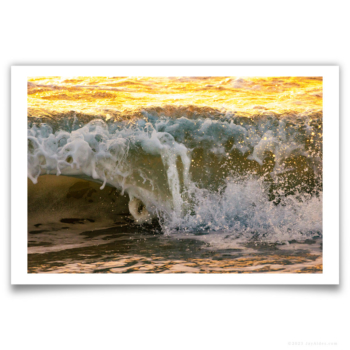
195, 169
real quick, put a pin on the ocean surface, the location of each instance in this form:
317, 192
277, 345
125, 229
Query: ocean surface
175, 175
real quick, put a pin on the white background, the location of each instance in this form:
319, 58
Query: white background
19, 81
182, 32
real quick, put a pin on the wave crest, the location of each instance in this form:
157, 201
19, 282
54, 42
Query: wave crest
179, 161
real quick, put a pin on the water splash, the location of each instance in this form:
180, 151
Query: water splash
253, 177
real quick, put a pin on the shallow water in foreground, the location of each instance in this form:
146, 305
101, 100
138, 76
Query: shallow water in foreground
78, 246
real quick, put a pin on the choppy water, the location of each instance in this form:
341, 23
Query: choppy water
122, 248
175, 189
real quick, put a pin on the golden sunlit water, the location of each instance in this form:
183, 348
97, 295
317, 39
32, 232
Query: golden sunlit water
106, 95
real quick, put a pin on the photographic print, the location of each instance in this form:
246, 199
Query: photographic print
175, 174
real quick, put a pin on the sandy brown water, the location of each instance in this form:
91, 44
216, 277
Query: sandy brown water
123, 248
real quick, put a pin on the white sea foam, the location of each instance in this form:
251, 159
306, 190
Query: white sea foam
242, 209
151, 159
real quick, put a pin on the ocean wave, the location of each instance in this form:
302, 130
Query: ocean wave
194, 168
